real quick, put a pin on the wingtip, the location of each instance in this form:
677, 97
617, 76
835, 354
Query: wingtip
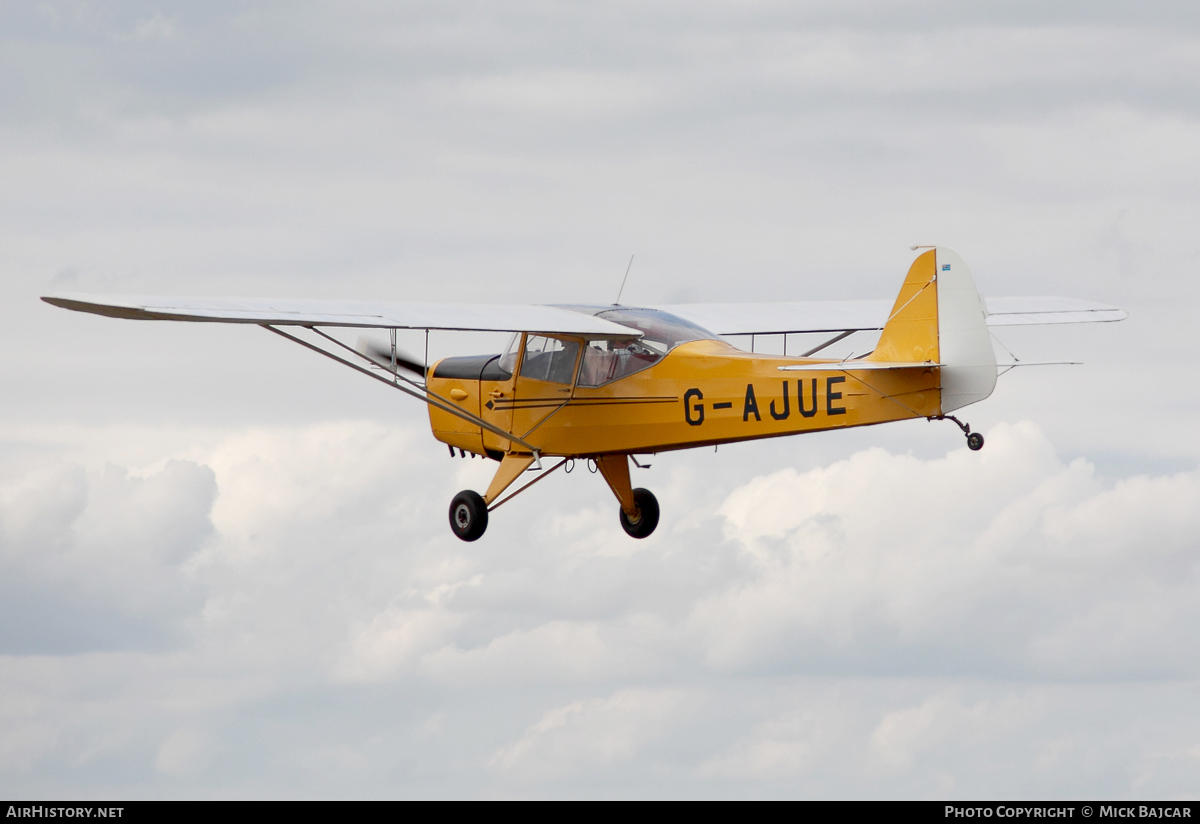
57, 300
90, 305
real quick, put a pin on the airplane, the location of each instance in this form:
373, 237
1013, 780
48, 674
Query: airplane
604, 384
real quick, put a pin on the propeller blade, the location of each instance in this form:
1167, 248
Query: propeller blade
382, 355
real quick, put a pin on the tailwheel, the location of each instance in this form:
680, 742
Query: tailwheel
974, 439
647, 517
469, 515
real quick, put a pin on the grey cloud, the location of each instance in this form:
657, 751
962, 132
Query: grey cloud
787, 632
1007, 571
98, 563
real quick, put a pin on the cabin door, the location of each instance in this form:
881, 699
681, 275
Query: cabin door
545, 382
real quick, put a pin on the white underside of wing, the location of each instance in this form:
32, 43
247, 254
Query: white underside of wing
783, 318
466, 317
861, 315
721, 318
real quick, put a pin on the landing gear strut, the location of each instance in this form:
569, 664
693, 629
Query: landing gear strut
469, 510
974, 439
639, 507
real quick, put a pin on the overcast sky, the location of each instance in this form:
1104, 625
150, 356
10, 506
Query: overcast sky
225, 567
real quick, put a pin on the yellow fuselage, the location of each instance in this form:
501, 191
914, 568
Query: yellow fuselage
701, 393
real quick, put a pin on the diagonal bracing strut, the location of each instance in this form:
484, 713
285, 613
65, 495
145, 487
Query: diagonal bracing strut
428, 397
508, 498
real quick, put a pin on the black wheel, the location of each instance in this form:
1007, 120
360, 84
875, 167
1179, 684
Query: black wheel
468, 515
975, 441
647, 518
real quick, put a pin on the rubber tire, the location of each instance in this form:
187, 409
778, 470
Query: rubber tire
975, 442
647, 506
468, 515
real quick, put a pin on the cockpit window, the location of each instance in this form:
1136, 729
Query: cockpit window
549, 359
605, 361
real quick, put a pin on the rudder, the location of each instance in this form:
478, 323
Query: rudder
968, 360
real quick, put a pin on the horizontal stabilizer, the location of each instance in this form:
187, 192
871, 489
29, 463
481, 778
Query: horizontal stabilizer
1032, 311
1015, 364
855, 366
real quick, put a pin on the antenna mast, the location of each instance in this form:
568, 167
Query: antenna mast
622, 289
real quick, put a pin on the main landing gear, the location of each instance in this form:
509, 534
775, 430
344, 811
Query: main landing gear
974, 439
642, 524
469, 510
468, 515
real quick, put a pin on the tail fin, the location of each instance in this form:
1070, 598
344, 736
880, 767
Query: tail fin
939, 318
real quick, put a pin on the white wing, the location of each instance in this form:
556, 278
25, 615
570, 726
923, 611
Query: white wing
861, 315
780, 318
467, 317
721, 318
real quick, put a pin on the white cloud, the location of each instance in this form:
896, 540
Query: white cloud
574, 651
903, 734
395, 639
779, 749
880, 552
155, 27
328, 567
185, 752
555, 93
99, 560
593, 734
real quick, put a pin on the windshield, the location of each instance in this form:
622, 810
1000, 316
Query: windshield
508, 361
661, 331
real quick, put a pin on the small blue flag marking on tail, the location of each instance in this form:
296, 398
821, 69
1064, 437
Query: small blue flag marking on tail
945, 267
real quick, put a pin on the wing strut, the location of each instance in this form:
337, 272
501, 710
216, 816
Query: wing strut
396, 376
428, 397
829, 342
